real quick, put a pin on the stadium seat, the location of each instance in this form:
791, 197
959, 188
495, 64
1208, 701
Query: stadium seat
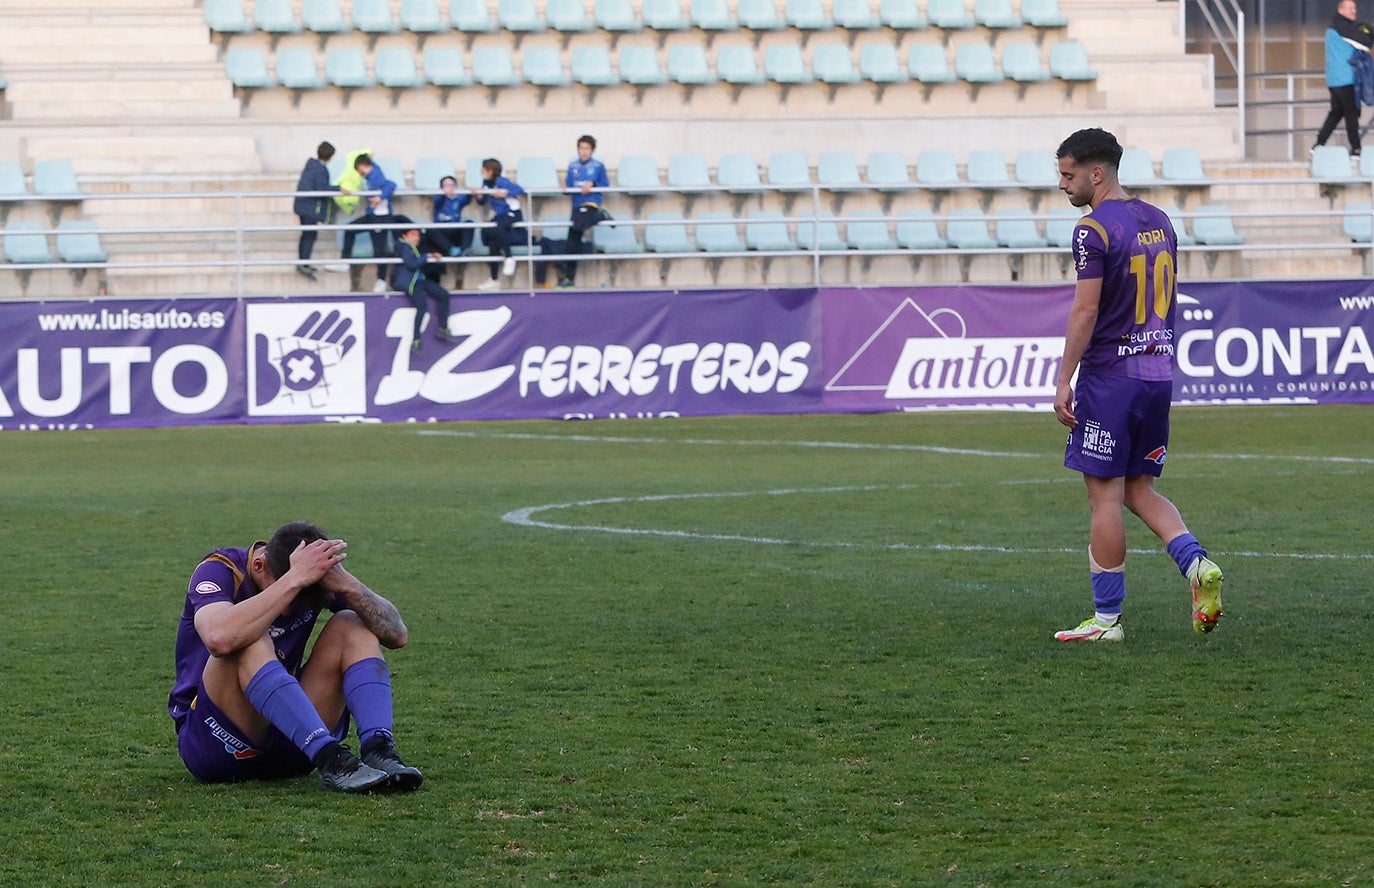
492, 67
929, 66
518, 18
1037, 169
616, 17
78, 241
1182, 165
995, 15
1357, 223
347, 69
472, 172
373, 18
887, 174
968, 230
55, 182
322, 18
822, 233
837, 172
1214, 227
247, 71
759, 16
738, 66
638, 175
937, 169
688, 171
663, 17
538, 176
471, 17
832, 65
1331, 162
616, 239
225, 18
974, 64
444, 68
392, 168
274, 18
738, 174
783, 64
807, 17
24, 245
1021, 63
297, 72
878, 65
867, 230
430, 171
12, 186
1180, 229
712, 17
542, 68
639, 67
1043, 14
1060, 225
766, 231
1136, 170
949, 15
718, 233
422, 18
396, 70
787, 172
987, 169
688, 67
854, 16
1016, 229
916, 230
591, 67
901, 15
1069, 63
567, 17
667, 235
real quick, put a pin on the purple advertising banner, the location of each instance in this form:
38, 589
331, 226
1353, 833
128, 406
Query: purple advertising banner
614, 354
1235, 342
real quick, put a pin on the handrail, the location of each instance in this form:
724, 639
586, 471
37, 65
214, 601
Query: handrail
1230, 34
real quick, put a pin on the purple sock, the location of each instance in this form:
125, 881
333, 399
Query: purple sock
278, 696
367, 690
1109, 590
1184, 548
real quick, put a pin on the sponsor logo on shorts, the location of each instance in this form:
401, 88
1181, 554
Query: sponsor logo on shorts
208, 587
232, 745
1157, 455
1098, 443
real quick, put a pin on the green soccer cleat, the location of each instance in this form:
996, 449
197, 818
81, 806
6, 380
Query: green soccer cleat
1091, 630
1205, 579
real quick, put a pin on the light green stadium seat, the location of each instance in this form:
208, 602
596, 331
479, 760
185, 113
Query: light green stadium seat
639, 66
225, 18
1021, 62
519, 17
739, 174
1069, 62
766, 231
591, 67
968, 230
471, 17
24, 245
996, 14
822, 233
759, 16
1017, 230
296, 70
887, 171
1357, 223
345, 68
396, 70
422, 18
1180, 229
832, 65
936, 168
667, 235
247, 70
276, 18
323, 18
867, 230
949, 15
615, 239
1043, 14
738, 66
430, 171
444, 68
1136, 170
927, 64
878, 64
1182, 165
1061, 223
567, 17
78, 241
974, 63
492, 67
616, 17
712, 17
1214, 226
718, 233
916, 230
901, 15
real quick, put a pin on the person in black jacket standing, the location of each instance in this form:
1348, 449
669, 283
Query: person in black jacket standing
313, 209
1345, 38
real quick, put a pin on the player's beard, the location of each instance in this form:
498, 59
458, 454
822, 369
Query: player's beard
313, 597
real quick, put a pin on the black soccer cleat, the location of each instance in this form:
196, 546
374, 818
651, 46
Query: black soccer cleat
380, 754
345, 772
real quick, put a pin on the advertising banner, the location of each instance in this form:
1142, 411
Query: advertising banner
655, 353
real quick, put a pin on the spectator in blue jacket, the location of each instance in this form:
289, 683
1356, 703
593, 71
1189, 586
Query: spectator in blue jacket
378, 212
313, 210
1344, 39
584, 174
502, 196
409, 277
448, 209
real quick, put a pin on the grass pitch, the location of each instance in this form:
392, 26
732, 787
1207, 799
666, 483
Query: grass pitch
732, 651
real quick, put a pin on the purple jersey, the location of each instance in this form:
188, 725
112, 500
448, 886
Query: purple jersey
1131, 246
223, 576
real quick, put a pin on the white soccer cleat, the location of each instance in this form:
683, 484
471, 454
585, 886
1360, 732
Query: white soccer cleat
379, 287
491, 284
1091, 630
508, 266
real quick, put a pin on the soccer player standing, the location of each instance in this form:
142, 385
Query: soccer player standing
1120, 340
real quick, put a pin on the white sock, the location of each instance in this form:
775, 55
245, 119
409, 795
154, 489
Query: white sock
1106, 619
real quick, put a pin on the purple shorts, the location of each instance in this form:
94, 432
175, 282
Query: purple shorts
216, 750
1123, 427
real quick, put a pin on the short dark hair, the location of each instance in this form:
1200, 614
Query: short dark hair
453, 179
325, 151
405, 220
1091, 146
285, 541
361, 159
492, 164
590, 140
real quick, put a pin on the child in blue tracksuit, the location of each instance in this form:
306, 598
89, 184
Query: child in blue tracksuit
378, 212
584, 174
448, 209
503, 197
409, 277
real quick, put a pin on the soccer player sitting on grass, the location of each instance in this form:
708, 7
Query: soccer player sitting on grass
244, 706
1120, 339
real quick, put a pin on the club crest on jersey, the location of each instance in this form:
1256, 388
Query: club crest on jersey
1157, 455
207, 587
